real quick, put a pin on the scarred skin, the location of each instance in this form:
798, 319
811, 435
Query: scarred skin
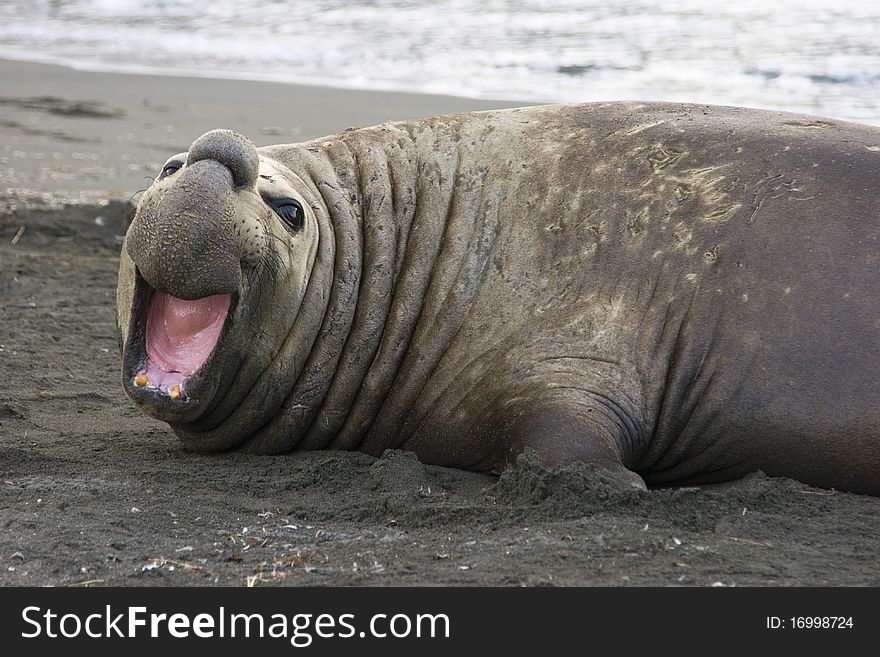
684, 292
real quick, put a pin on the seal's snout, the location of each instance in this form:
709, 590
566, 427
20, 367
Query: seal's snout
183, 237
199, 225
230, 149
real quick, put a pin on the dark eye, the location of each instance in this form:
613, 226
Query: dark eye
291, 212
170, 168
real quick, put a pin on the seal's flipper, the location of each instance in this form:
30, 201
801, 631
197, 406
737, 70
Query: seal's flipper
560, 434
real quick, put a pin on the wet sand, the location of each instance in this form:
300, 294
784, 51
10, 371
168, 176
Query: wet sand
94, 493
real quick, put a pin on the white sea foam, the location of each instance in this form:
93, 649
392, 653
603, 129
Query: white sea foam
800, 55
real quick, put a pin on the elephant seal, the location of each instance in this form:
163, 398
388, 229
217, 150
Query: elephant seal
687, 292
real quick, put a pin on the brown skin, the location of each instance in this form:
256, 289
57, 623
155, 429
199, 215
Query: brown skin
684, 292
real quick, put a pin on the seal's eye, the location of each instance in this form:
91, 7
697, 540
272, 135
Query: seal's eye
291, 213
170, 168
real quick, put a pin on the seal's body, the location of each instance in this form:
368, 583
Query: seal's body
691, 292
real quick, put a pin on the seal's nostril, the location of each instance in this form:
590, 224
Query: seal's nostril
230, 149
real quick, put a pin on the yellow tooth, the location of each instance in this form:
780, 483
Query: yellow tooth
141, 380
175, 392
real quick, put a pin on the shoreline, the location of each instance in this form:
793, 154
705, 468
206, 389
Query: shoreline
76, 135
340, 84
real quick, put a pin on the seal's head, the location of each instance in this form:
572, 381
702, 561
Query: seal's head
221, 244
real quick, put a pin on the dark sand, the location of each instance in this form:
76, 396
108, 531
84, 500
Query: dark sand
94, 493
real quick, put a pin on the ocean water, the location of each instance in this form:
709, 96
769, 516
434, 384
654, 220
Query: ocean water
814, 56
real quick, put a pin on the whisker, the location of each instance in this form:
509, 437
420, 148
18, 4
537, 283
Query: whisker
140, 191
286, 243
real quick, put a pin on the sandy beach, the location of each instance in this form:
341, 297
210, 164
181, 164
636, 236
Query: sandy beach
104, 135
94, 493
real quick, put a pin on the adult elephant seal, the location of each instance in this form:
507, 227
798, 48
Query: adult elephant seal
690, 292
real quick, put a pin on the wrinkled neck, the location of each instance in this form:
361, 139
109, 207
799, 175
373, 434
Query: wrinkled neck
413, 229
390, 206
364, 223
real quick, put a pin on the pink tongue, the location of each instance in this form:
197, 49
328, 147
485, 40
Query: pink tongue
181, 334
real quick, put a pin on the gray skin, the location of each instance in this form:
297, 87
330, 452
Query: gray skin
688, 293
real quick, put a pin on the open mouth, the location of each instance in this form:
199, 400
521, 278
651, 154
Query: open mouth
173, 339
181, 334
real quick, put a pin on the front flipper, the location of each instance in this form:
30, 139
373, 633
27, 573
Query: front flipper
565, 432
